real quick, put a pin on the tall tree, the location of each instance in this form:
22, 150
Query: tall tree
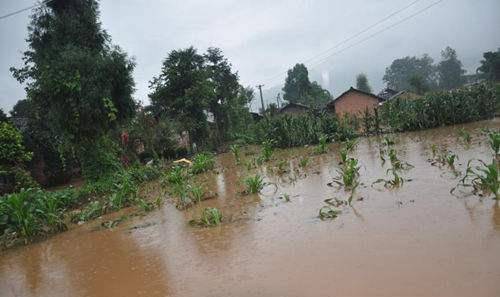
3, 116
299, 89
362, 83
226, 89
490, 66
398, 75
80, 81
450, 70
297, 85
183, 91
418, 84
318, 96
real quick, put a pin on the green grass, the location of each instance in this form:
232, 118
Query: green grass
254, 184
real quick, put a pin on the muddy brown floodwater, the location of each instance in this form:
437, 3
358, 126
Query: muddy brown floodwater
414, 241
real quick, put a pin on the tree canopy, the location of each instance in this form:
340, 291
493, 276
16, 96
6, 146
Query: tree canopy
490, 65
191, 84
299, 89
402, 71
3, 116
82, 83
450, 70
362, 83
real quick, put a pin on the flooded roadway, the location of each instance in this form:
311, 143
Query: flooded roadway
414, 241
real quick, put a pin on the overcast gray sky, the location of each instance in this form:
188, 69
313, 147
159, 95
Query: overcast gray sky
264, 38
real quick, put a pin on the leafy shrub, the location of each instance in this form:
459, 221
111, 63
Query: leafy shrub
13, 156
101, 159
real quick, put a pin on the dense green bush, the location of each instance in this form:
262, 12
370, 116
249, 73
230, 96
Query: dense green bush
298, 130
13, 156
439, 109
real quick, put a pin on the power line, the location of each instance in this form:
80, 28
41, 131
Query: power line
361, 32
24, 9
366, 29
377, 33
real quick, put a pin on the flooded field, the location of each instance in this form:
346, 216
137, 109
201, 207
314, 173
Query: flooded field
418, 240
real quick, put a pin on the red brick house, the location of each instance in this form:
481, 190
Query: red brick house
354, 102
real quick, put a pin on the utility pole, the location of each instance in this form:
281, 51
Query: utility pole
278, 100
261, 99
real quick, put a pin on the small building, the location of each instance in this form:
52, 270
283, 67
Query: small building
405, 95
387, 93
294, 108
354, 102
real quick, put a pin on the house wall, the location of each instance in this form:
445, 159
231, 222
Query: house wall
355, 104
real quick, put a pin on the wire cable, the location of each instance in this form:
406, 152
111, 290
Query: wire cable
24, 9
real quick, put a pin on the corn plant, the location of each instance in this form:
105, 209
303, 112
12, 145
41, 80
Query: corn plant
235, 150
50, 210
348, 174
254, 184
18, 213
281, 168
396, 163
267, 150
464, 135
93, 210
145, 205
322, 145
210, 217
494, 141
176, 176
328, 212
395, 182
196, 193
202, 162
349, 145
304, 162
482, 178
